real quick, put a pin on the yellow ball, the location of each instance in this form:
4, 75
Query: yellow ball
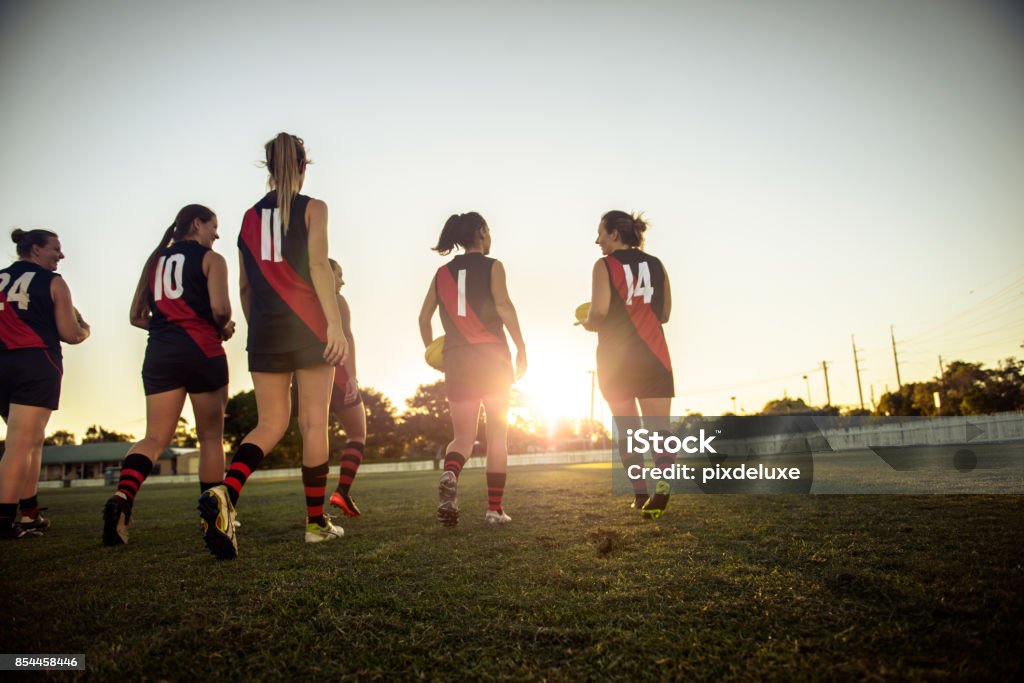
583, 312
434, 355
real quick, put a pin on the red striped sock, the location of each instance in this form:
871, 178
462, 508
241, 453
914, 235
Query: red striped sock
134, 470
314, 481
454, 462
495, 489
29, 507
245, 461
351, 458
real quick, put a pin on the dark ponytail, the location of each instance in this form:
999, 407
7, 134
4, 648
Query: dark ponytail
26, 239
631, 227
178, 230
459, 230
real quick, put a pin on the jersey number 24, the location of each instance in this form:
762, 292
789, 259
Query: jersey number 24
19, 290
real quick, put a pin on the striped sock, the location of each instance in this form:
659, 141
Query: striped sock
134, 470
495, 489
204, 485
351, 458
314, 480
245, 461
454, 462
29, 507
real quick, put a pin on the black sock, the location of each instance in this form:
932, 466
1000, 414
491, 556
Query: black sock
351, 458
134, 470
314, 481
204, 485
29, 507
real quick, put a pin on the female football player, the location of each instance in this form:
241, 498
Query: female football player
182, 300
36, 315
475, 310
631, 299
288, 297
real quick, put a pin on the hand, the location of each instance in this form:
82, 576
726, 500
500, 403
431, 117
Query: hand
228, 331
520, 363
80, 319
336, 350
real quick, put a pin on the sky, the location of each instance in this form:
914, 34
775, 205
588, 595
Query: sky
810, 170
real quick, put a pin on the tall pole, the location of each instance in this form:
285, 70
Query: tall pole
856, 367
828, 392
808, 382
895, 358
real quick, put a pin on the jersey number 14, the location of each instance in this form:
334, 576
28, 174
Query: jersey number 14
642, 286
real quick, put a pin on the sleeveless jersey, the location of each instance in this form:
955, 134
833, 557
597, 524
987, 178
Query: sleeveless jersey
468, 312
284, 311
179, 300
633, 329
27, 317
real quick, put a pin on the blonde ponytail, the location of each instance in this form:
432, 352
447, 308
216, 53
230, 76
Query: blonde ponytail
286, 160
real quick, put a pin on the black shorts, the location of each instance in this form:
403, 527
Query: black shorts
31, 377
476, 371
196, 375
622, 377
287, 361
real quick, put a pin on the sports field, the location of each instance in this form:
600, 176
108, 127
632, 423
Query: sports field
577, 587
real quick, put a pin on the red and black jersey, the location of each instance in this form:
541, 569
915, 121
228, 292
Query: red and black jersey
179, 301
27, 317
632, 332
284, 311
468, 312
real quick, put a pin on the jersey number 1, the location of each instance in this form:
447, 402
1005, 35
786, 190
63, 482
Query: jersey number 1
19, 290
643, 285
462, 294
270, 235
168, 280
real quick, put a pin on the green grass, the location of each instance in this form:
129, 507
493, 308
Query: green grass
780, 587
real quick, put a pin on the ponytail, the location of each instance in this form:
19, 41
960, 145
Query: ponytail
286, 160
459, 230
631, 227
26, 239
178, 230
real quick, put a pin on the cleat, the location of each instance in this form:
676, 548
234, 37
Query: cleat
15, 532
38, 523
447, 500
655, 507
497, 517
316, 533
345, 504
218, 522
235, 523
639, 500
117, 515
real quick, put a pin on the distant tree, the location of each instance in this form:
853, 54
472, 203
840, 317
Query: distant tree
596, 433
426, 423
61, 437
240, 417
963, 389
184, 436
98, 434
795, 406
384, 439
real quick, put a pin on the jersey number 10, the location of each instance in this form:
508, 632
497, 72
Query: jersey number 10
19, 290
168, 279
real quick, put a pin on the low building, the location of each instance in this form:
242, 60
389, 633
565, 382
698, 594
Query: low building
92, 460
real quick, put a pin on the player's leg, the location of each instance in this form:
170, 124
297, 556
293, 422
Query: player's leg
465, 414
26, 429
626, 416
353, 420
315, 384
208, 408
29, 512
656, 419
162, 412
496, 410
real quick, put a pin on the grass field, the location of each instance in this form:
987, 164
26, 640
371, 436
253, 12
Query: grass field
577, 587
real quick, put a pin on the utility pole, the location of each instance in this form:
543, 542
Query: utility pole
856, 367
828, 392
895, 358
872, 397
808, 382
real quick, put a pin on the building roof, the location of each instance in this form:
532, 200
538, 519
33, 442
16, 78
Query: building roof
111, 451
